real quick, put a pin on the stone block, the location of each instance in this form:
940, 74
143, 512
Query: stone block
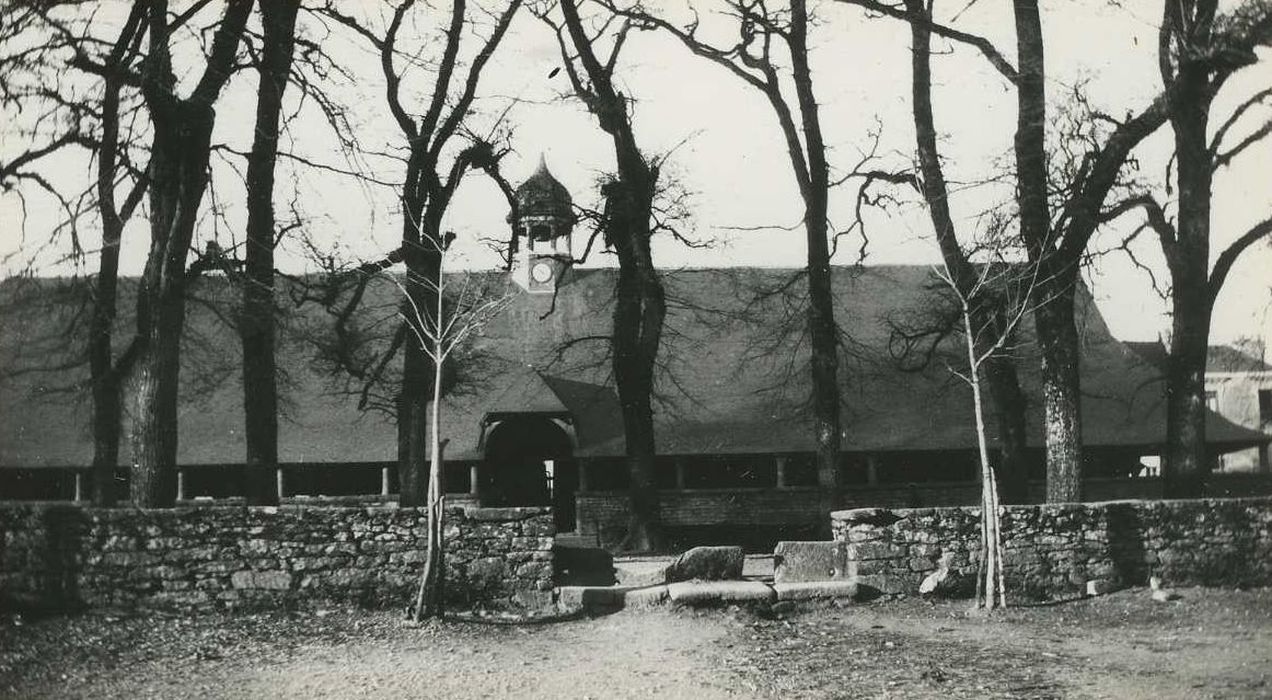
921, 564
795, 562
707, 564
875, 550
487, 573
533, 569
532, 599
645, 597
266, 580
699, 593
816, 590
591, 598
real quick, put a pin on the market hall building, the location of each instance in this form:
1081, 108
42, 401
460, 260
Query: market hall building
532, 416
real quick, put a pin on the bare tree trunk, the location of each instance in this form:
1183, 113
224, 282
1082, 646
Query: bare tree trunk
107, 408
640, 306
634, 370
178, 177
823, 331
260, 387
1009, 413
422, 257
431, 598
1058, 337
1054, 314
824, 341
639, 310
1186, 463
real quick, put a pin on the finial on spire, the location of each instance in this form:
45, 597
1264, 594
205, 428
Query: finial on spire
543, 162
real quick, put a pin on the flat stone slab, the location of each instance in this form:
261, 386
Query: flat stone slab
571, 598
641, 573
645, 597
795, 562
816, 590
694, 593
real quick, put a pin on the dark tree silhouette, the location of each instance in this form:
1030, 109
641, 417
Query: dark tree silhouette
1199, 51
640, 303
179, 154
431, 178
984, 306
753, 60
258, 324
1056, 234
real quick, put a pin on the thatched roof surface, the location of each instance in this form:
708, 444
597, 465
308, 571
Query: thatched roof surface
733, 375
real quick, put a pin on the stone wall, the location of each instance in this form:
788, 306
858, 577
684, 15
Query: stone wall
1052, 551
226, 556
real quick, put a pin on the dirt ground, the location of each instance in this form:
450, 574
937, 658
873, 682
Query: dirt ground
1208, 644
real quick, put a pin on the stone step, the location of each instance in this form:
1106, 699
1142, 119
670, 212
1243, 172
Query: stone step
574, 540
607, 599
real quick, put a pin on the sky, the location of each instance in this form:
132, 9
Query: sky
723, 147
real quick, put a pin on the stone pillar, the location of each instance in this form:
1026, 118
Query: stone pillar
474, 485
79, 486
781, 472
384, 482
181, 486
282, 483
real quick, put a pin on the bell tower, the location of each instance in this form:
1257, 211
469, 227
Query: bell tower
543, 226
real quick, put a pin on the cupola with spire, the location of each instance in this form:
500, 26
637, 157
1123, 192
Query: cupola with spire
543, 224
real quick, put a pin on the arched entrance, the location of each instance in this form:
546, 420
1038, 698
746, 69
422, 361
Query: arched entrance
529, 462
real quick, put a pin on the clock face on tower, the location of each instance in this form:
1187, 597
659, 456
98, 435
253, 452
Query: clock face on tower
541, 272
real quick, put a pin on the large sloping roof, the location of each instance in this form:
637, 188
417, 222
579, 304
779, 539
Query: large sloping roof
732, 379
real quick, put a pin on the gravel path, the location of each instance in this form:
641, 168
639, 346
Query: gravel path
358, 654
1209, 644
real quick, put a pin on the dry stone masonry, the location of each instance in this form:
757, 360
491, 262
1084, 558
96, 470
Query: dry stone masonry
1060, 550
241, 557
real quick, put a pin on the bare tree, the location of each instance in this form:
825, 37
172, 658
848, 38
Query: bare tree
1010, 287
959, 273
753, 60
1056, 233
433, 173
178, 173
628, 221
462, 309
1199, 51
258, 325
103, 119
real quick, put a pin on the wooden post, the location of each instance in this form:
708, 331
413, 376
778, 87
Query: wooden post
181, 486
474, 488
278, 476
79, 486
872, 470
781, 472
